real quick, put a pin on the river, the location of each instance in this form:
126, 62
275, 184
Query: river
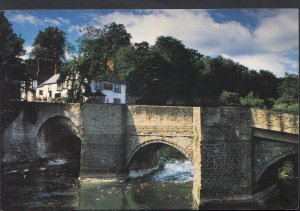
53, 184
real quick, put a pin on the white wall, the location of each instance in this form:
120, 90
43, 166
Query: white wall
111, 94
53, 88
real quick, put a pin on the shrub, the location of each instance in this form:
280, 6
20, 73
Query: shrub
286, 171
286, 107
229, 98
252, 101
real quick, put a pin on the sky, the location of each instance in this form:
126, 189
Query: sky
256, 38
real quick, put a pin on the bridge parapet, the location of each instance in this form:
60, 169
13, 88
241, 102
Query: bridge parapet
275, 121
159, 120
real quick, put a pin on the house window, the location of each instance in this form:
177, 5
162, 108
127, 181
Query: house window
98, 85
117, 100
40, 92
118, 88
108, 86
58, 88
50, 93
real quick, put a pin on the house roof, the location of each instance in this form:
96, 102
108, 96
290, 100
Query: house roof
52, 80
99, 93
113, 78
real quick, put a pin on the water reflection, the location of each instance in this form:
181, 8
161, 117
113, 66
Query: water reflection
52, 184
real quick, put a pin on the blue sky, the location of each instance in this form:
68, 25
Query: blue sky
257, 38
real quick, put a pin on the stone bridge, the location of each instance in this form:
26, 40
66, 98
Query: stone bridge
235, 151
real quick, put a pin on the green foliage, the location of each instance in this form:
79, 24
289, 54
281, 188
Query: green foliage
11, 48
288, 89
229, 98
160, 74
98, 46
51, 44
286, 171
285, 107
251, 101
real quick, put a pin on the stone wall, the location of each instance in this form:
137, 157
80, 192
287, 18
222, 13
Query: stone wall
226, 147
103, 143
275, 121
22, 135
268, 152
159, 124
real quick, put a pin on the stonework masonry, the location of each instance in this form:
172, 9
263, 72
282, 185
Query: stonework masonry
230, 147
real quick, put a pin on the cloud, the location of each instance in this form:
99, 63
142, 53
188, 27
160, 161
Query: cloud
278, 34
28, 49
52, 21
272, 62
264, 47
26, 18
75, 28
63, 20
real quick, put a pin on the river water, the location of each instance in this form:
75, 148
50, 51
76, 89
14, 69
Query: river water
53, 184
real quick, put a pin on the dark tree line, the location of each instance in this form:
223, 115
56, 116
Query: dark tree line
166, 73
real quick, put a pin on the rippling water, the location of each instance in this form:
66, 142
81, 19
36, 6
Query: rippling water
53, 184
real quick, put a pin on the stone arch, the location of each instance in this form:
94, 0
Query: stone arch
53, 118
185, 152
271, 165
52, 131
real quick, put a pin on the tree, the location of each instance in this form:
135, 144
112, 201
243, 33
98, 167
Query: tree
267, 84
11, 49
288, 88
12, 67
74, 78
181, 73
97, 49
100, 46
143, 71
51, 44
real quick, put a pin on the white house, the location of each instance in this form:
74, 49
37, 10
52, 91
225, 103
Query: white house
109, 91
103, 91
49, 90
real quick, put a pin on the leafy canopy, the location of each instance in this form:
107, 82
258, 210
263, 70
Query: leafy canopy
51, 44
11, 49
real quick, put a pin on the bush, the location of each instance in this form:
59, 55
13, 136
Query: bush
286, 171
229, 98
286, 107
252, 101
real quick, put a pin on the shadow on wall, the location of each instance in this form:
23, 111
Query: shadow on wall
57, 139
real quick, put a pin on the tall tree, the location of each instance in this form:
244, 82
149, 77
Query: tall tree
51, 44
181, 74
11, 49
99, 46
97, 56
144, 71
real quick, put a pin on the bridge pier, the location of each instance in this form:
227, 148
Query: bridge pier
222, 154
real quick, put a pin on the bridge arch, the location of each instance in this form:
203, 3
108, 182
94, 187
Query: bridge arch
268, 173
157, 144
57, 135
